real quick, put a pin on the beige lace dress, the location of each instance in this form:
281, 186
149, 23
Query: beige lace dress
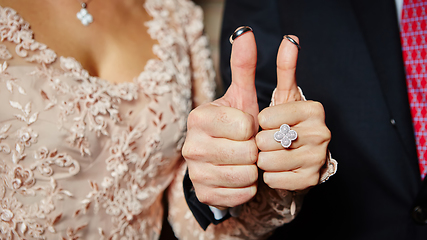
82, 158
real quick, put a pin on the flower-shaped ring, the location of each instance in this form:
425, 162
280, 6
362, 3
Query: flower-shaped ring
285, 135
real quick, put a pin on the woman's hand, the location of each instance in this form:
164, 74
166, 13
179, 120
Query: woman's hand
296, 167
220, 147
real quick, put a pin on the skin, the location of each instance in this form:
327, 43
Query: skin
224, 149
113, 41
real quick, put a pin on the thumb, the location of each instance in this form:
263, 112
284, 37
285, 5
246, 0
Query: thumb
287, 88
242, 93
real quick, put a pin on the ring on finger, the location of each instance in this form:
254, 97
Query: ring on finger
239, 32
285, 135
292, 41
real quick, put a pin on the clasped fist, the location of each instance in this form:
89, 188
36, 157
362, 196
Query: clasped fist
226, 152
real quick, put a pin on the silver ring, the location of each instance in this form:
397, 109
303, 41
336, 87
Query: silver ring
285, 135
239, 32
292, 41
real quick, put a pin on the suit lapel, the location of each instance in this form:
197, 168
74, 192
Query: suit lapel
373, 16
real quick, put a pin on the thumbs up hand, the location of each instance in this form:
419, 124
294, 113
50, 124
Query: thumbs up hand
297, 167
220, 147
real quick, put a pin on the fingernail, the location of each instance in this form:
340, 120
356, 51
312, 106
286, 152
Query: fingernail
292, 41
239, 32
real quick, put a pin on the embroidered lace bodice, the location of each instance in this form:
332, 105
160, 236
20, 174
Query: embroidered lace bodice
81, 158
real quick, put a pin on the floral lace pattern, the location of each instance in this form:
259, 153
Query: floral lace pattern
76, 161
81, 158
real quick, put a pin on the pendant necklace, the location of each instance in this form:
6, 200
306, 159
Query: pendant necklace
83, 15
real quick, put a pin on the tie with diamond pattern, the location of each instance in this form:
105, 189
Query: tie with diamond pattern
414, 48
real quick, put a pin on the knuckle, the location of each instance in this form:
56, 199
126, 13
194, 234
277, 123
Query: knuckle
227, 197
260, 141
238, 199
318, 158
308, 181
313, 180
196, 176
205, 197
252, 173
241, 123
193, 151
314, 159
264, 162
195, 117
245, 176
269, 180
252, 152
323, 132
246, 127
326, 134
275, 185
251, 193
263, 118
185, 151
316, 109
322, 159
319, 135
244, 196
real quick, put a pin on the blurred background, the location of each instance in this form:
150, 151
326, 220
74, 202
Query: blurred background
212, 20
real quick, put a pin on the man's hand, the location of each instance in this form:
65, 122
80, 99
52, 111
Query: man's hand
220, 147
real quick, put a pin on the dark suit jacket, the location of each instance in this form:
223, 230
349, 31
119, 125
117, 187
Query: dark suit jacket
351, 62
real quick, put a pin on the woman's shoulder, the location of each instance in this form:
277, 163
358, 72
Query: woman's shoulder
183, 11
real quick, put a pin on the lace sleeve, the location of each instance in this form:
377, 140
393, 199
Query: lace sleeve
203, 73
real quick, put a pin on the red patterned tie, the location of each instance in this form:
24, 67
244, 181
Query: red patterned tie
413, 37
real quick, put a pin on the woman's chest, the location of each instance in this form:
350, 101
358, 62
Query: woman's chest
114, 47
68, 112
